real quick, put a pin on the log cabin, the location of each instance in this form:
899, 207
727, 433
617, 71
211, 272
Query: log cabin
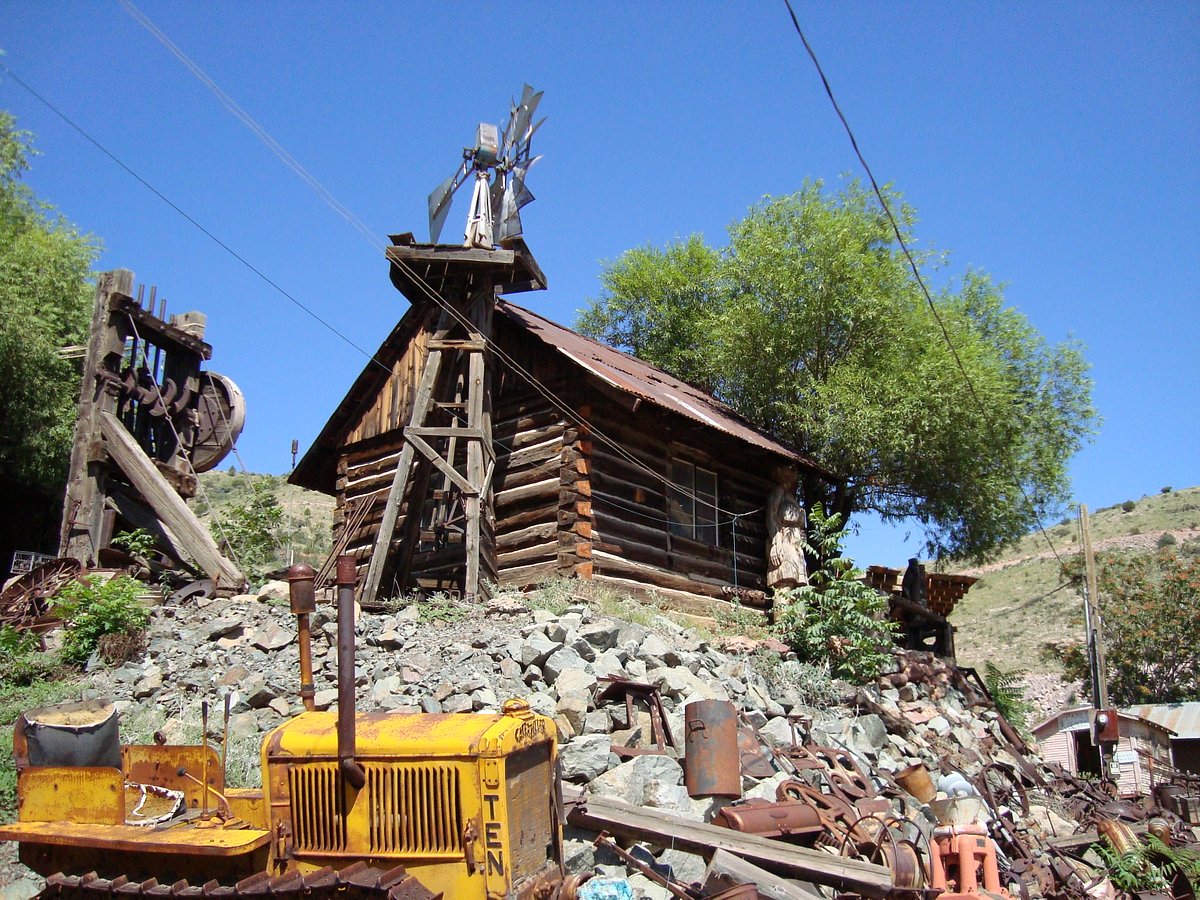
601, 467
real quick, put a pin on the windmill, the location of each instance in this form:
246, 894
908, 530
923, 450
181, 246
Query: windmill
497, 165
430, 530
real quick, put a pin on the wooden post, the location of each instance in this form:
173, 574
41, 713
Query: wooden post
387, 527
83, 508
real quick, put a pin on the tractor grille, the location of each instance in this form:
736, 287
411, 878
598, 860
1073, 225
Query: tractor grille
530, 799
414, 809
408, 809
318, 808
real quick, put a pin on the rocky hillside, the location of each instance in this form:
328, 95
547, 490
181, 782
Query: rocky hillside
1019, 605
551, 648
305, 523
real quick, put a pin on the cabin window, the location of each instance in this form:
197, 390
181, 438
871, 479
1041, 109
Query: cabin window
692, 502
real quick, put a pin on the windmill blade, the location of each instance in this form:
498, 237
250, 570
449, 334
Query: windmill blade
529, 104
516, 196
521, 195
439, 202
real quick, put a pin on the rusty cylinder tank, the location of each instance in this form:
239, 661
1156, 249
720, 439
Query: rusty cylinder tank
712, 763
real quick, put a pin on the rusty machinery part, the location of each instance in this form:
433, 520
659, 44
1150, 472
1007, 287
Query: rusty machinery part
901, 856
221, 410
789, 820
754, 763
357, 880
27, 599
569, 889
1000, 785
200, 589
1038, 871
841, 771
837, 816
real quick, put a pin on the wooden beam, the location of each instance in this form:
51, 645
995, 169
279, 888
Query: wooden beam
444, 467
83, 508
167, 505
387, 526
726, 870
665, 830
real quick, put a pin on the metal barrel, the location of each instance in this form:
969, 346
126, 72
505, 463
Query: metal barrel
712, 764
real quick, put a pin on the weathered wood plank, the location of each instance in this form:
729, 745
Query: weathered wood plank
665, 830
167, 504
726, 870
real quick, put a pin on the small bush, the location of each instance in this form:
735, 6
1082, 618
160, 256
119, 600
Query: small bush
93, 608
21, 661
1165, 490
836, 618
1008, 693
439, 608
138, 542
1128, 506
1166, 539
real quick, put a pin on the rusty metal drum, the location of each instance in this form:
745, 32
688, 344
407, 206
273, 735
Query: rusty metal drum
712, 761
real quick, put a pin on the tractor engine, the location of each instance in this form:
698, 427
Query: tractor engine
466, 803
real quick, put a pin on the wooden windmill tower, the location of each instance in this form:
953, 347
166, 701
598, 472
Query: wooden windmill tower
444, 471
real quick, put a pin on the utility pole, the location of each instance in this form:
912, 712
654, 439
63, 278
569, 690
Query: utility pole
1091, 606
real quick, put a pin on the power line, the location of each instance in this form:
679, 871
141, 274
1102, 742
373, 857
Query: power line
161, 196
346, 213
915, 269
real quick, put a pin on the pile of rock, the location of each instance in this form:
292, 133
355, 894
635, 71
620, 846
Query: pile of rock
921, 711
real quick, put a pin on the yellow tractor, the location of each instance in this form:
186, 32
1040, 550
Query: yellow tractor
381, 806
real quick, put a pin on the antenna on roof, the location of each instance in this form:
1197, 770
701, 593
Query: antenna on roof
500, 164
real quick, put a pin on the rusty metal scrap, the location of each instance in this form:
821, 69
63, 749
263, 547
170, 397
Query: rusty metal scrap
791, 820
712, 762
25, 604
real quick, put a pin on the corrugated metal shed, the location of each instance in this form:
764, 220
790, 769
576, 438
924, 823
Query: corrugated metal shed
645, 382
1181, 718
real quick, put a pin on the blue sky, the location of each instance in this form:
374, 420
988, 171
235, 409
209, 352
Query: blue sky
1054, 145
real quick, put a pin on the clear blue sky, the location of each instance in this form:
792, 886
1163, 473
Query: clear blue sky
1054, 145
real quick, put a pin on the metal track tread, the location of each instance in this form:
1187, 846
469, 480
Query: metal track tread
355, 882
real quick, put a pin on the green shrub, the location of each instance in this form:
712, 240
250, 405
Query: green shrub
1128, 506
138, 542
1149, 866
93, 608
1008, 693
1165, 490
835, 618
1166, 539
21, 660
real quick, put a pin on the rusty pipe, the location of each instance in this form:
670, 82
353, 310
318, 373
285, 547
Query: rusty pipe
303, 599
347, 575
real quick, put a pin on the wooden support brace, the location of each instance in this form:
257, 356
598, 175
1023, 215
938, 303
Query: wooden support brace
167, 505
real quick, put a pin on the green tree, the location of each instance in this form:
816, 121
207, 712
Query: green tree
1150, 610
249, 531
45, 305
811, 325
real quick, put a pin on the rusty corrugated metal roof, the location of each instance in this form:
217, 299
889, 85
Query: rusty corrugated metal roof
640, 379
1182, 718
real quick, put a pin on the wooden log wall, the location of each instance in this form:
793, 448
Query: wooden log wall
631, 537
529, 436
